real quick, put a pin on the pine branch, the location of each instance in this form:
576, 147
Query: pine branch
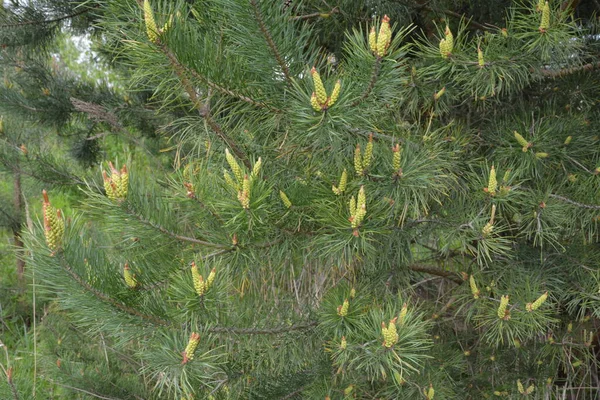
84, 391
48, 21
470, 21
270, 42
174, 235
264, 331
181, 72
230, 92
372, 82
437, 271
334, 10
567, 200
569, 71
107, 299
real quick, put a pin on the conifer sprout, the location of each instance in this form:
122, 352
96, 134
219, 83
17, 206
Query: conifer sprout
284, 198
319, 88
390, 333
537, 303
358, 161
129, 277
429, 393
521, 140
190, 349
117, 184
54, 224
503, 312
492, 182
343, 343
545, 20
474, 290
480, 59
373, 40
342, 310
384, 37
151, 28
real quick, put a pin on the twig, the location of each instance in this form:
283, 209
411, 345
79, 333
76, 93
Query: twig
180, 70
104, 297
47, 21
437, 271
270, 42
264, 331
230, 92
569, 71
334, 10
566, 200
372, 82
164, 230
84, 391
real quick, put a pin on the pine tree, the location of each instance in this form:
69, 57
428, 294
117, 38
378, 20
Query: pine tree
368, 200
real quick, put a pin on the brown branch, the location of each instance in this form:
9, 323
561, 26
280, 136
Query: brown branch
230, 92
428, 269
181, 72
270, 42
105, 298
334, 10
567, 200
372, 82
174, 235
569, 71
264, 331
47, 21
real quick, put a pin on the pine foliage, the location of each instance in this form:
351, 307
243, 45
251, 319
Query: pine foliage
458, 259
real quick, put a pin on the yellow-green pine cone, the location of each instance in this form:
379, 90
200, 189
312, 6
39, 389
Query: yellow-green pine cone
368, 157
540, 5
530, 389
568, 140
358, 166
352, 207
110, 189
348, 390
402, 314
541, 155
492, 182
151, 28
319, 88
521, 140
430, 392
444, 49
342, 310
439, 94
246, 187
373, 40
474, 289
199, 284
487, 229
503, 312
286, 201
124, 183
352, 293
520, 387
506, 176
343, 343
384, 36
211, 278
361, 211
390, 334
361, 200
129, 277
538, 303
335, 93
190, 349
256, 168
480, 59
315, 103
235, 167
60, 226
396, 157
545, 22
230, 181
343, 181
449, 39
50, 223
